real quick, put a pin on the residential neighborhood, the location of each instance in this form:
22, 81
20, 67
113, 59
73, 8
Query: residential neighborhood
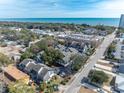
53, 61
61, 46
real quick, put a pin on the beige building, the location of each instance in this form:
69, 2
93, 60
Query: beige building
14, 74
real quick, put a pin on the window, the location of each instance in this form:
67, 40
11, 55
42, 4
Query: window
122, 47
122, 54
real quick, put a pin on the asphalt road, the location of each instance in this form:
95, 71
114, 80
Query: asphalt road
75, 85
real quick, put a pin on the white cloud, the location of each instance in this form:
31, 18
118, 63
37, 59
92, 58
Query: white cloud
108, 8
2, 2
55, 8
112, 5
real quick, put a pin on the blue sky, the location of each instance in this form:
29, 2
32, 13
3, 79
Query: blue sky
60, 8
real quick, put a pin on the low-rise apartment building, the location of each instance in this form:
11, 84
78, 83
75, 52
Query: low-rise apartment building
92, 39
37, 71
119, 51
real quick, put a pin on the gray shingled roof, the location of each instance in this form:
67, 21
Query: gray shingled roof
40, 69
30, 67
37, 67
26, 61
43, 73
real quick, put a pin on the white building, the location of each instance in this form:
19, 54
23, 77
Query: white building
119, 53
121, 24
37, 71
42, 32
15, 28
119, 83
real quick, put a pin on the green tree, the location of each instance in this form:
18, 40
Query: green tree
46, 87
34, 49
43, 44
98, 77
110, 51
78, 62
51, 55
26, 55
4, 60
42, 86
19, 87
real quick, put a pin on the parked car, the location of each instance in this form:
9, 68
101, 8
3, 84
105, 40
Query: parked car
99, 90
84, 80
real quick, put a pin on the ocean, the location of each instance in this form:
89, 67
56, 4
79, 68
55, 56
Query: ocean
90, 21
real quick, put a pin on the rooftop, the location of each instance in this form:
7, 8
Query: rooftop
121, 69
80, 37
15, 73
120, 81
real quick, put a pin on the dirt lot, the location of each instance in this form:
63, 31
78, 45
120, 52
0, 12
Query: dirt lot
85, 90
106, 85
109, 80
105, 64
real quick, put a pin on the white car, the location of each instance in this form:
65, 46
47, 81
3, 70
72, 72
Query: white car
99, 90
